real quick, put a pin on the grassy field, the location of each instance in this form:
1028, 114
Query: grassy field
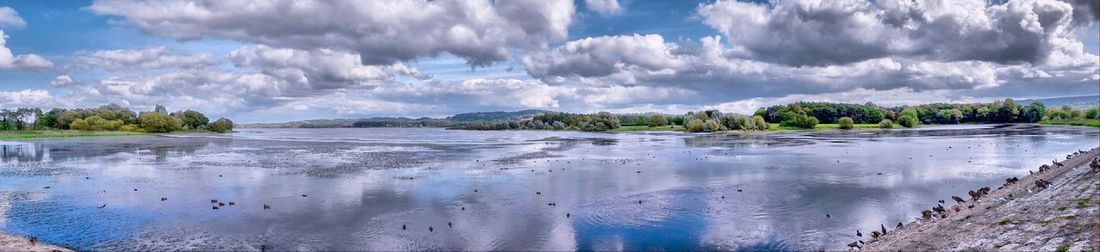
776, 127
1079, 122
62, 134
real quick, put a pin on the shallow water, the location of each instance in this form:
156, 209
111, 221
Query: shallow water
621, 191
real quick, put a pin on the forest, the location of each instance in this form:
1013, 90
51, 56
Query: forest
110, 117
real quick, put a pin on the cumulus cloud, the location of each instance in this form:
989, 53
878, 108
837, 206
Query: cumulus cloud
26, 98
381, 32
319, 68
20, 62
8, 17
812, 32
62, 81
605, 7
148, 58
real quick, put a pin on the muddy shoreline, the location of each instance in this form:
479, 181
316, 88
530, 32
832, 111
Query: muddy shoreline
15, 243
1020, 216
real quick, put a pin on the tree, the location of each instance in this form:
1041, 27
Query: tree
159, 122
845, 122
658, 120
908, 118
193, 119
1034, 112
886, 124
1092, 113
760, 123
798, 120
222, 125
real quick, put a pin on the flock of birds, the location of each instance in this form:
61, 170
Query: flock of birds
940, 212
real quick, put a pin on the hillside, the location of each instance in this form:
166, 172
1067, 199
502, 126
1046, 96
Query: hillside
1079, 102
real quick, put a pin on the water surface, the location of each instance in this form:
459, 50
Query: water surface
354, 189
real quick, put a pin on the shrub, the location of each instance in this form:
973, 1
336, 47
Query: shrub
658, 120
222, 125
802, 121
694, 125
845, 122
1092, 113
760, 123
886, 124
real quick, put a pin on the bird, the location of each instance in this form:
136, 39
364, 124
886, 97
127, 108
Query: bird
858, 233
538, 193
163, 198
135, 189
883, 228
430, 229
899, 225
941, 202
101, 207
450, 225
232, 203
403, 227
639, 202
854, 245
46, 187
475, 190
567, 215
303, 195
552, 204
828, 216
213, 201
266, 207
215, 207
463, 208
221, 204
874, 235
958, 199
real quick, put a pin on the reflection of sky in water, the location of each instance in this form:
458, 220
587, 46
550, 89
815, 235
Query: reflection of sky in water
362, 185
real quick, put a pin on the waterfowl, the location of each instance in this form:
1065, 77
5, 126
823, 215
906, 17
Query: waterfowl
941, 202
567, 215
232, 203
874, 235
221, 204
899, 225
163, 198
303, 195
215, 207
858, 233
958, 199
403, 227
266, 207
450, 225
101, 207
854, 245
828, 216
430, 229
883, 228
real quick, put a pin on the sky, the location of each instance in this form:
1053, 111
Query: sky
275, 61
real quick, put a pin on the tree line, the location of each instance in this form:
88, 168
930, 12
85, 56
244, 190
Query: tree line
110, 117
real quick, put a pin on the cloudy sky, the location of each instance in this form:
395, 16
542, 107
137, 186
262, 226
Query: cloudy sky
290, 60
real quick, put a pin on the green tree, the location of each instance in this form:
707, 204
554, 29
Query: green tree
658, 120
222, 125
908, 118
159, 122
193, 119
760, 123
1092, 113
800, 120
845, 122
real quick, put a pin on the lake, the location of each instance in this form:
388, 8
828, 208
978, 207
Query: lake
355, 189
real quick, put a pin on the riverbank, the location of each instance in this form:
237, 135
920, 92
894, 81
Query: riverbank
13, 243
1018, 217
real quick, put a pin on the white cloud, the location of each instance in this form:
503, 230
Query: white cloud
813, 32
20, 62
157, 57
320, 68
62, 81
25, 98
9, 17
604, 7
382, 32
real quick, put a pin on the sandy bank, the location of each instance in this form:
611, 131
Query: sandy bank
1018, 217
14, 243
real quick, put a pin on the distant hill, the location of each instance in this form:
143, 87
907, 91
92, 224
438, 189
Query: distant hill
495, 116
1079, 102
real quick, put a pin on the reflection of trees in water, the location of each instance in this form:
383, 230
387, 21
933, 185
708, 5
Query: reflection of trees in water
737, 141
23, 152
71, 149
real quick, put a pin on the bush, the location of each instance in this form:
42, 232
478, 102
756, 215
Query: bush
801, 121
845, 122
193, 119
886, 124
694, 125
760, 123
1092, 113
908, 121
159, 122
222, 125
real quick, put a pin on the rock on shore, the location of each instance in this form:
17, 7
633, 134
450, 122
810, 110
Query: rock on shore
14, 243
1022, 216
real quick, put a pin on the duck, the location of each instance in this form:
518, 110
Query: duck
858, 233
266, 207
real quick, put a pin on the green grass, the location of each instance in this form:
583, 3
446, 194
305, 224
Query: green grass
1062, 208
776, 127
647, 128
1004, 222
1071, 217
1082, 203
62, 134
1074, 122
1063, 248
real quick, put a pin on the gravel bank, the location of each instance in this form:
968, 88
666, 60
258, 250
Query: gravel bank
1018, 217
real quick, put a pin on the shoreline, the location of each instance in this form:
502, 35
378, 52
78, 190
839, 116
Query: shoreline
1014, 216
15, 243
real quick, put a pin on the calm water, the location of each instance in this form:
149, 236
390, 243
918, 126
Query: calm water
362, 185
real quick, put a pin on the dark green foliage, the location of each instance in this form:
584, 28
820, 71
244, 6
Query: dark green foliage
845, 122
658, 120
222, 125
554, 121
801, 121
908, 118
192, 119
741, 122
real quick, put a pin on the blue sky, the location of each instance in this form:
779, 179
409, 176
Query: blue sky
278, 60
